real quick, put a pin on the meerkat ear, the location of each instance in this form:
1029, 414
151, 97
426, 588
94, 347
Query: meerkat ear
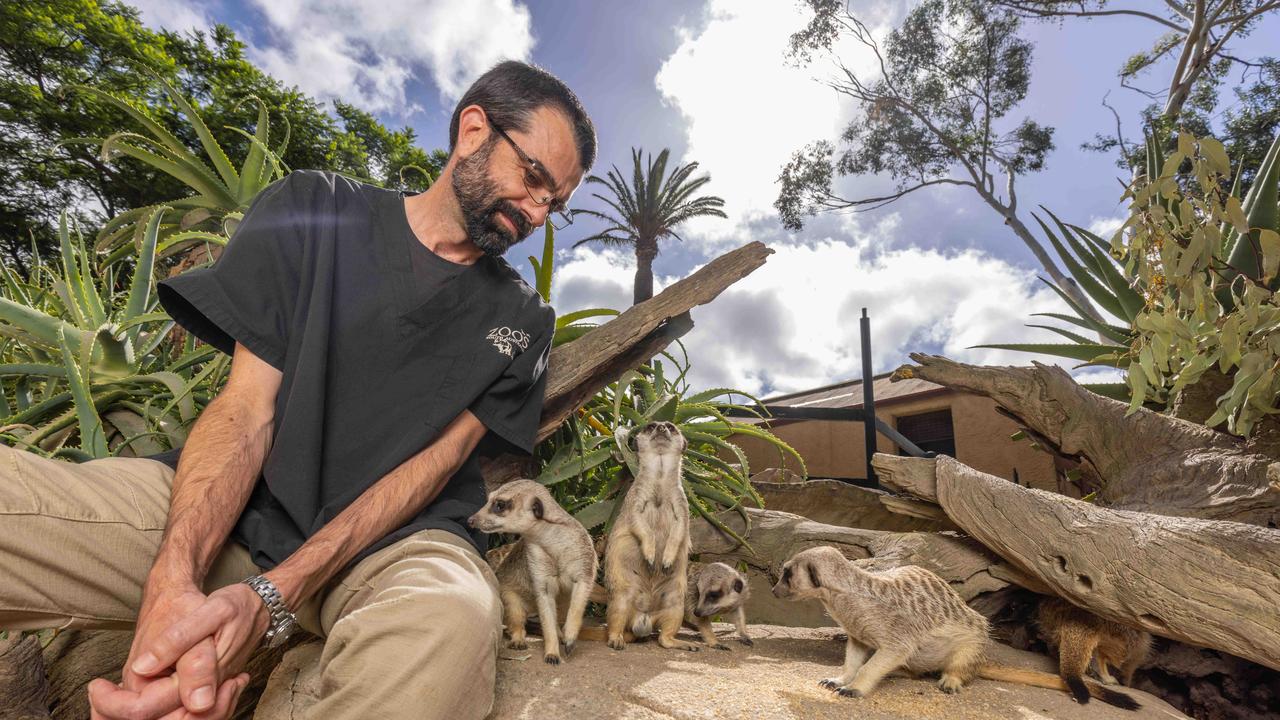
813, 576
737, 586
537, 508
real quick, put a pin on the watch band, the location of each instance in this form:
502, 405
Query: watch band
282, 621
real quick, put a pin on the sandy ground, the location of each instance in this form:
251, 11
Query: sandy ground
775, 679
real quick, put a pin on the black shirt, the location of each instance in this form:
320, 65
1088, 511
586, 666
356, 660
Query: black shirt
323, 279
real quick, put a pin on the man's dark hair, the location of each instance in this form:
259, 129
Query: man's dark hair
511, 91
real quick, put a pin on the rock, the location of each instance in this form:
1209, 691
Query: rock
777, 678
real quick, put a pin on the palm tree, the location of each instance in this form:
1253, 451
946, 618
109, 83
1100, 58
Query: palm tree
649, 209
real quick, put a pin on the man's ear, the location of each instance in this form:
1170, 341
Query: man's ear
813, 576
537, 508
473, 129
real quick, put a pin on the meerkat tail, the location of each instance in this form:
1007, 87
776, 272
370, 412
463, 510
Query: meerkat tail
600, 633
1035, 678
599, 594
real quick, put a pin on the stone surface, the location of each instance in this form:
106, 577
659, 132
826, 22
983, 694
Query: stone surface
777, 678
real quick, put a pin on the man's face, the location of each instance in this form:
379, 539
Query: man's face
493, 184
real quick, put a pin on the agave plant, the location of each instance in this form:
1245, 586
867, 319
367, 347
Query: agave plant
221, 191
87, 368
1193, 272
569, 326
590, 460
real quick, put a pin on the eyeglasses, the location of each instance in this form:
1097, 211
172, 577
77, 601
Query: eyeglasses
538, 183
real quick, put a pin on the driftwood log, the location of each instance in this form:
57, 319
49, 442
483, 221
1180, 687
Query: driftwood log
1206, 582
576, 371
581, 368
1145, 461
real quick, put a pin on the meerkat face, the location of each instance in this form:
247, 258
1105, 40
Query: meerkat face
513, 508
720, 589
660, 437
801, 575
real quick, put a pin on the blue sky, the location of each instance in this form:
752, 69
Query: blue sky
938, 271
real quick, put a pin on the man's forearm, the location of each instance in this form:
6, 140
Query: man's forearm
388, 504
219, 464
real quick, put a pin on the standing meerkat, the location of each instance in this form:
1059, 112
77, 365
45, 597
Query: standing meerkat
647, 555
553, 562
1080, 636
716, 589
905, 618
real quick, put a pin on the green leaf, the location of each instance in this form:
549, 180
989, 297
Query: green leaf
1077, 351
93, 439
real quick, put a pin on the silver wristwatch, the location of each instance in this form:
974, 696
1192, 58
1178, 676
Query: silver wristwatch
282, 621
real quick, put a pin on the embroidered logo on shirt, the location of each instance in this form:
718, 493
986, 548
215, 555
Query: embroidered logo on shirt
507, 340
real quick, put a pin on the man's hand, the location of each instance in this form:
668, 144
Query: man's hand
186, 656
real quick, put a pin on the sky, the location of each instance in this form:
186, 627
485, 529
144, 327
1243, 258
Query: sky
937, 271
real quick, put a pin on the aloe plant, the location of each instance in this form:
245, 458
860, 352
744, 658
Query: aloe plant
88, 368
570, 326
221, 191
589, 461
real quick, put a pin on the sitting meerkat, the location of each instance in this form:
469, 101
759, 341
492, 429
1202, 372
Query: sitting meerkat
716, 589
905, 618
647, 555
1080, 636
552, 559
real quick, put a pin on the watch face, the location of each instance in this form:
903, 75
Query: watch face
282, 633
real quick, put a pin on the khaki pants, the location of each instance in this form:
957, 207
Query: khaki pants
411, 631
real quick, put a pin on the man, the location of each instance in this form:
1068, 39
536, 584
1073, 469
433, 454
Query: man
380, 344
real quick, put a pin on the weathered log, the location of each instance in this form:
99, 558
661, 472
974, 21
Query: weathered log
1206, 582
581, 368
775, 536
1145, 461
23, 688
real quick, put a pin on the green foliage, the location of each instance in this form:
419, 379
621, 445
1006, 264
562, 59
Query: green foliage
1193, 273
649, 208
947, 79
589, 461
88, 365
52, 45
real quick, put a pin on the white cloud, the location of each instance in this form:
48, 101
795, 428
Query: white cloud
793, 324
746, 109
176, 15
366, 53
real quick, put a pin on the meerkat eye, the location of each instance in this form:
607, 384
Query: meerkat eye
713, 595
737, 586
499, 506
786, 575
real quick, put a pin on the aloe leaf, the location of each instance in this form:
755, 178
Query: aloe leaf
140, 289
92, 438
573, 317
1074, 351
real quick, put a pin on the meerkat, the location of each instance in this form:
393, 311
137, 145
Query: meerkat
905, 618
647, 555
1080, 636
716, 589
553, 558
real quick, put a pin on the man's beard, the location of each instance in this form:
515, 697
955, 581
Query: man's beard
477, 197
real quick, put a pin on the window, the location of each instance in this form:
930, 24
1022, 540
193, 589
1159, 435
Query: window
929, 431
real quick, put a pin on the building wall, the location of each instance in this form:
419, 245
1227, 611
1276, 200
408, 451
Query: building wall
835, 448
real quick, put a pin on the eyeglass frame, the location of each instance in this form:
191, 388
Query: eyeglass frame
550, 182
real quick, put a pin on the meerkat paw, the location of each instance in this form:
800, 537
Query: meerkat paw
567, 648
746, 641
849, 692
679, 645
617, 643
1108, 679
518, 644
830, 683
551, 658
722, 646
950, 684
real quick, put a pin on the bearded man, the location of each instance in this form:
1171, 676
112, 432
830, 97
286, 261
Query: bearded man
380, 344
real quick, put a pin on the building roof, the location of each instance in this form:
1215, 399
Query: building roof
848, 394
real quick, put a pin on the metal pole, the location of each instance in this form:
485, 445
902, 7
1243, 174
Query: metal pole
868, 398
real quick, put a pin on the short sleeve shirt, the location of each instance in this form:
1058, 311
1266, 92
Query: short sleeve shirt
380, 346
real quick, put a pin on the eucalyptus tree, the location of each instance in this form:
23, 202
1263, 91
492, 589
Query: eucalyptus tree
935, 111
648, 209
